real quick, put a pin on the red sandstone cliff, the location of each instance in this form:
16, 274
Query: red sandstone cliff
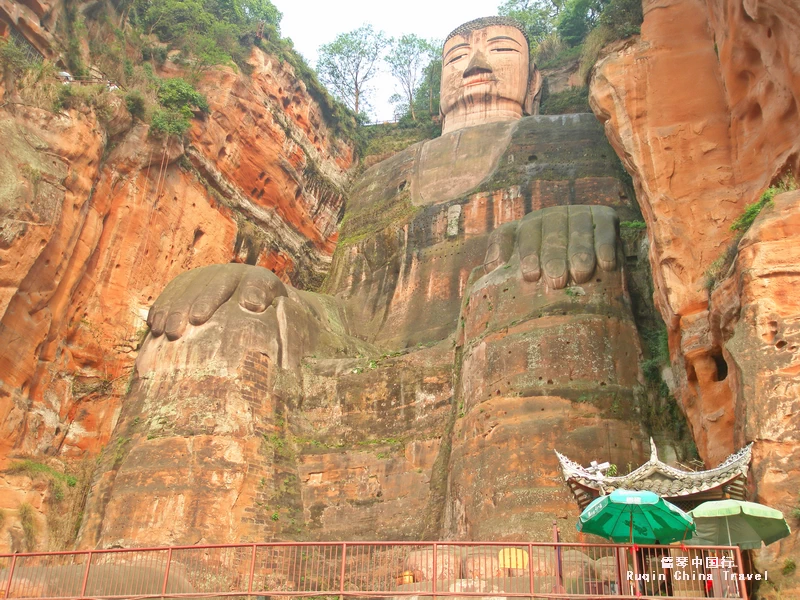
703, 110
97, 217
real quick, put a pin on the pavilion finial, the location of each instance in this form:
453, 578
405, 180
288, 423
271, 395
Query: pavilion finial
653, 451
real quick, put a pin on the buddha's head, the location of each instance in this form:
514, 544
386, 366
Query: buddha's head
487, 74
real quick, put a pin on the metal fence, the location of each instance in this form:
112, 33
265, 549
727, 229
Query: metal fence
420, 570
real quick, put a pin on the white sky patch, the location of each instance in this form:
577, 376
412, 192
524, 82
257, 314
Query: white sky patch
311, 23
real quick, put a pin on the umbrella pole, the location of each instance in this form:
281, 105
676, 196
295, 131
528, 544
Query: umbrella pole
728, 527
635, 560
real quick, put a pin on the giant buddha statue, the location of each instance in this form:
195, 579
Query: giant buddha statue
474, 318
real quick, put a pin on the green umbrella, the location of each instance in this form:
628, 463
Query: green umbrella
642, 517
738, 523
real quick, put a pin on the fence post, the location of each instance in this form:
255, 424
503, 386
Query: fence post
10, 576
252, 571
530, 568
740, 569
635, 556
435, 571
86, 574
341, 573
166, 573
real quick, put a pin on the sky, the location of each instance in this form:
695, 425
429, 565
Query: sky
311, 23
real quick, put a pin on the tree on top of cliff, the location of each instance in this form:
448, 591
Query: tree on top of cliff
350, 62
407, 60
538, 16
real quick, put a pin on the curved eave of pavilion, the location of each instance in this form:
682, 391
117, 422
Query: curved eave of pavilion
728, 480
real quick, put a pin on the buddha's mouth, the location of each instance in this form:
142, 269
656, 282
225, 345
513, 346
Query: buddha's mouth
479, 79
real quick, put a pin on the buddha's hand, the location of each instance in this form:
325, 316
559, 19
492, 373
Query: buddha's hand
192, 298
557, 244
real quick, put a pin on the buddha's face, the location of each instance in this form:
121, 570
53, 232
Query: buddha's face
485, 70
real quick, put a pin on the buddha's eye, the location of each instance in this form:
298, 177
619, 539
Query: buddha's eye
455, 58
505, 50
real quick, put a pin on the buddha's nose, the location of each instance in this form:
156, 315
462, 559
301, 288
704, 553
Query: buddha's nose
477, 65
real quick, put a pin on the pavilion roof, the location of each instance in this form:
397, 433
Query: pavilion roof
657, 476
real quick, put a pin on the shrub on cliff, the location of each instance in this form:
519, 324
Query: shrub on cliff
135, 103
178, 94
179, 101
13, 59
210, 31
169, 122
622, 17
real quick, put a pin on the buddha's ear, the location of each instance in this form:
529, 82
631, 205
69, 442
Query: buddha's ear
531, 104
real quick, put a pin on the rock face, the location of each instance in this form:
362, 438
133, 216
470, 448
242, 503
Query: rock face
259, 410
700, 149
97, 218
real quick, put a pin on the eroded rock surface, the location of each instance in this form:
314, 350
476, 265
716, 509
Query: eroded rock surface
700, 149
96, 219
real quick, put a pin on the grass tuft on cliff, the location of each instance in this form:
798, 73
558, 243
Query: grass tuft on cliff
25, 513
31, 468
719, 268
784, 184
571, 100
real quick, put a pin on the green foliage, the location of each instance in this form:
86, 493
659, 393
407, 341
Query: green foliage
171, 20
719, 268
556, 26
28, 522
13, 58
622, 17
656, 344
211, 32
179, 100
426, 98
119, 451
571, 100
789, 567
407, 59
382, 140
155, 53
660, 412
168, 122
744, 222
77, 96
58, 492
135, 102
787, 183
75, 27
349, 63
31, 468
577, 19
178, 94
591, 47
550, 49
633, 225
539, 17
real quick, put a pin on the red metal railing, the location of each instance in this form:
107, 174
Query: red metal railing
422, 570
